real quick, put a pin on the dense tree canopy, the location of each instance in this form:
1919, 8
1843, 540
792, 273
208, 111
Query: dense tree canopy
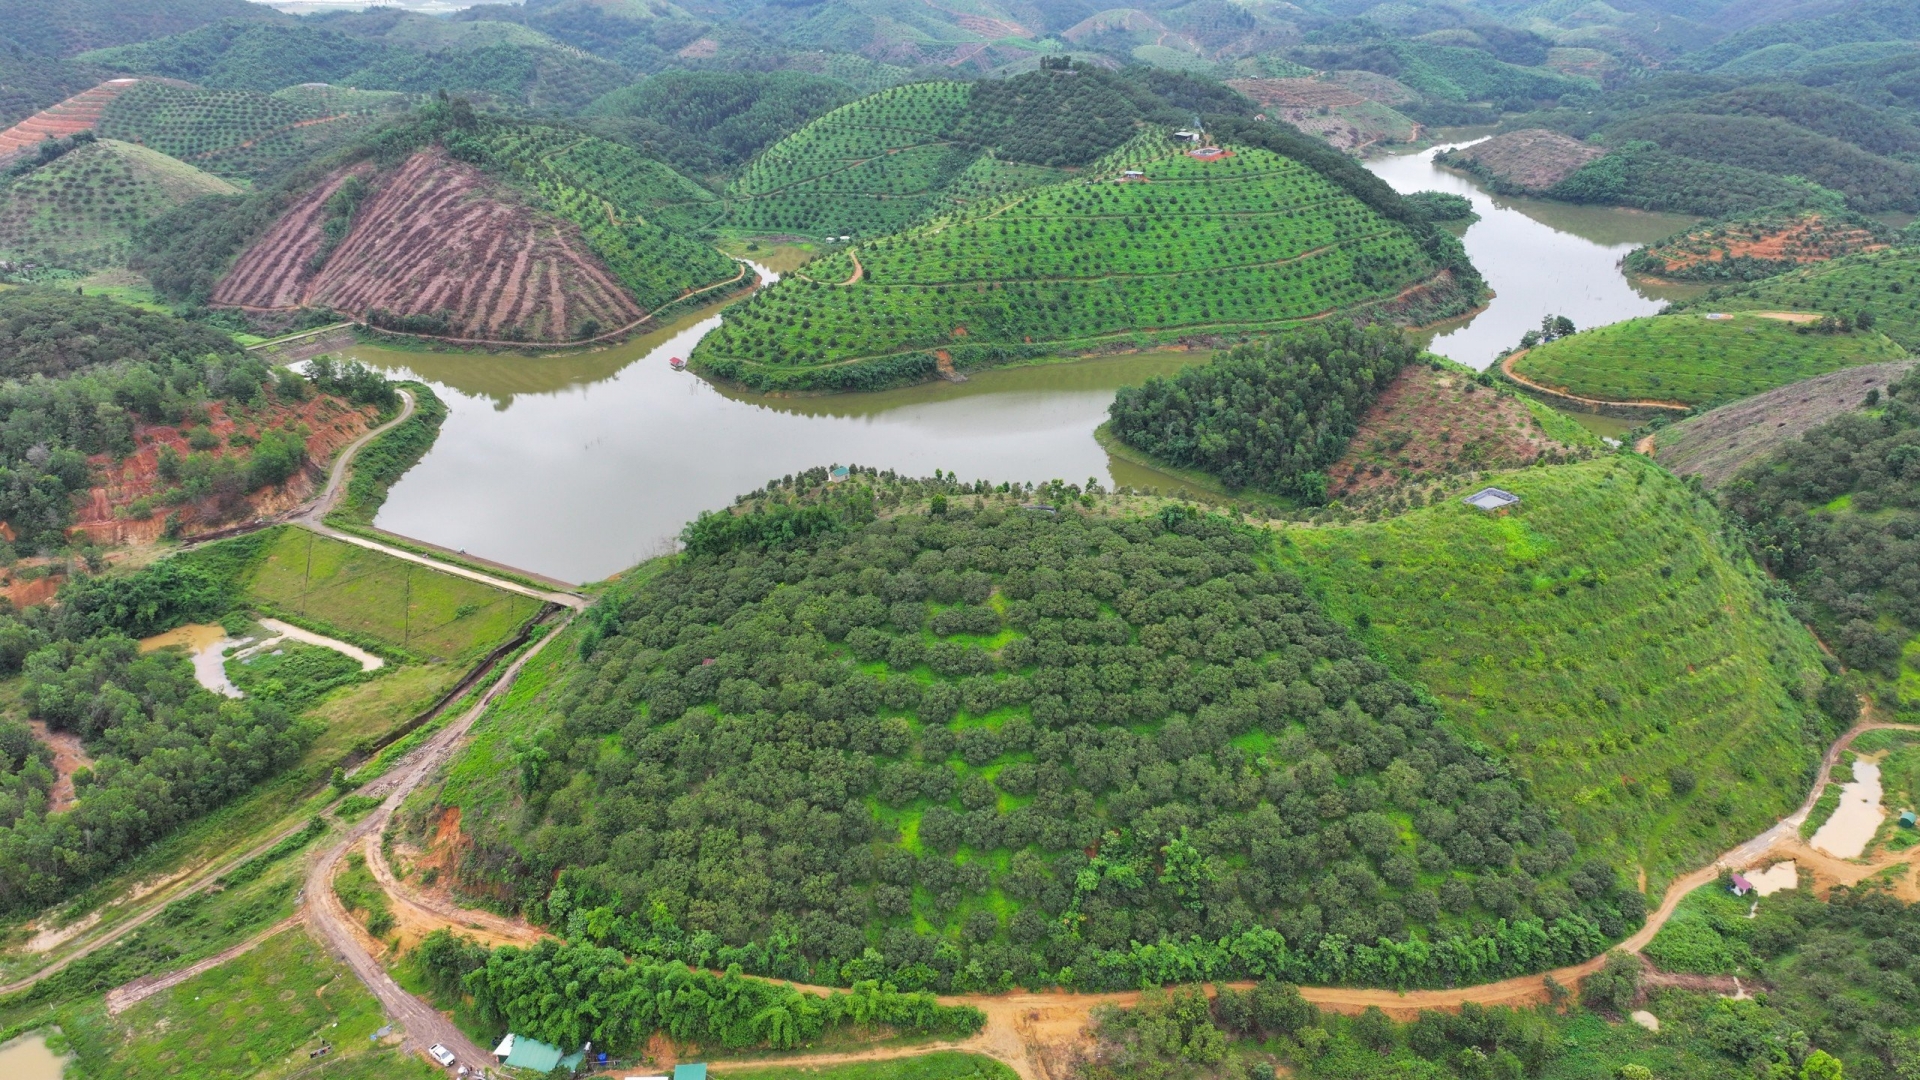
1011, 746
55, 332
1268, 415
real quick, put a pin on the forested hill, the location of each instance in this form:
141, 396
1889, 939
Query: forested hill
1152, 242
912, 731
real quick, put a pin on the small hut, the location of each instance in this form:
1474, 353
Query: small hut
1491, 499
1740, 886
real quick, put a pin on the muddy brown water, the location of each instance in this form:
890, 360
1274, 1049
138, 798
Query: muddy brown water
578, 466
27, 1058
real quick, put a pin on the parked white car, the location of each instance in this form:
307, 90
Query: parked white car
440, 1054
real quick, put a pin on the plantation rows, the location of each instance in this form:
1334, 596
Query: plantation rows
79, 211
235, 133
866, 168
1244, 243
635, 212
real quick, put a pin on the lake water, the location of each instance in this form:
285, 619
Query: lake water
578, 466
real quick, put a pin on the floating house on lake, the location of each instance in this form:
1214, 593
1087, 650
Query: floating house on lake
1491, 499
678, 363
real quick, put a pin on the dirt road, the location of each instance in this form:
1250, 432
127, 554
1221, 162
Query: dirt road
1506, 368
122, 998
333, 926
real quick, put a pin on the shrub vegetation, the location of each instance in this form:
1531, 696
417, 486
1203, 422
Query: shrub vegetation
81, 210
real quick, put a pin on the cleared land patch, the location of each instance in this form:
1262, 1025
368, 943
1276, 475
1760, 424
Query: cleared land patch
1715, 445
72, 116
1606, 636
1753, 248
1248, 242
79, 211
1695, 359
1434, 421
439, 249
1341, 115
1531, 160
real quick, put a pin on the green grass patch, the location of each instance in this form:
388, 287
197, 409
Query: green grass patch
395, 601
256, 1015
381, 463
1607, 637
1707, 935
293, 674
1695, 360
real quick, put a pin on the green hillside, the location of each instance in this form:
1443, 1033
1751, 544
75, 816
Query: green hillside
241, 134
965, 747
714, 121
1884, 284
887, 161
640, 216
31, 83
865, 168
1872, 184
73, 26
1252, 241
80, 211
392, 51
1695, 360
1607, 639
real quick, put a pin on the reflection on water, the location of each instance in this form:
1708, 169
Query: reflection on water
577, 466
1541, 258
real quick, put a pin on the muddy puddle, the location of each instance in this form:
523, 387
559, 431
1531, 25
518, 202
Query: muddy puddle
27, 1058
1780, 877
1846, 834
206, 644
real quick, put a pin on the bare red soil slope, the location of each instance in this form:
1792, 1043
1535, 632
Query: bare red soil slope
437, 248
72, 116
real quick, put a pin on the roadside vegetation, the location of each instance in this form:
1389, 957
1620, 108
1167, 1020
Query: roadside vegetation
1695, 360
1608, 638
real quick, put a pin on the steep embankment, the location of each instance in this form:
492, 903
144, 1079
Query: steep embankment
1152, 243
438, 247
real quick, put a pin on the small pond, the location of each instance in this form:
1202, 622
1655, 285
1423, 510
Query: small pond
28, 1058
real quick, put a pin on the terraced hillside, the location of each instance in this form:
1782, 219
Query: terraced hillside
1607, 637
437, 248
1697, 360
1248, 241
79, 211
241, 134
81, 112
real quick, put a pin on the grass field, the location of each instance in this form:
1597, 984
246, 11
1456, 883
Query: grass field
79, 211
1885, 283
390, 600
256, 1016
1248, 242
1603, 635
1694, 360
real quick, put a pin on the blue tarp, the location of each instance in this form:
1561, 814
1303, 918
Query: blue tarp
690, 1072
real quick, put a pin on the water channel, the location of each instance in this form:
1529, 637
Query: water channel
578, 466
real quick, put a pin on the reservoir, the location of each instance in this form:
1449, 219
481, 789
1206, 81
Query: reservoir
579, 466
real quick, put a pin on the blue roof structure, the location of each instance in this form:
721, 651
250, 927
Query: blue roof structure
696, 1071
